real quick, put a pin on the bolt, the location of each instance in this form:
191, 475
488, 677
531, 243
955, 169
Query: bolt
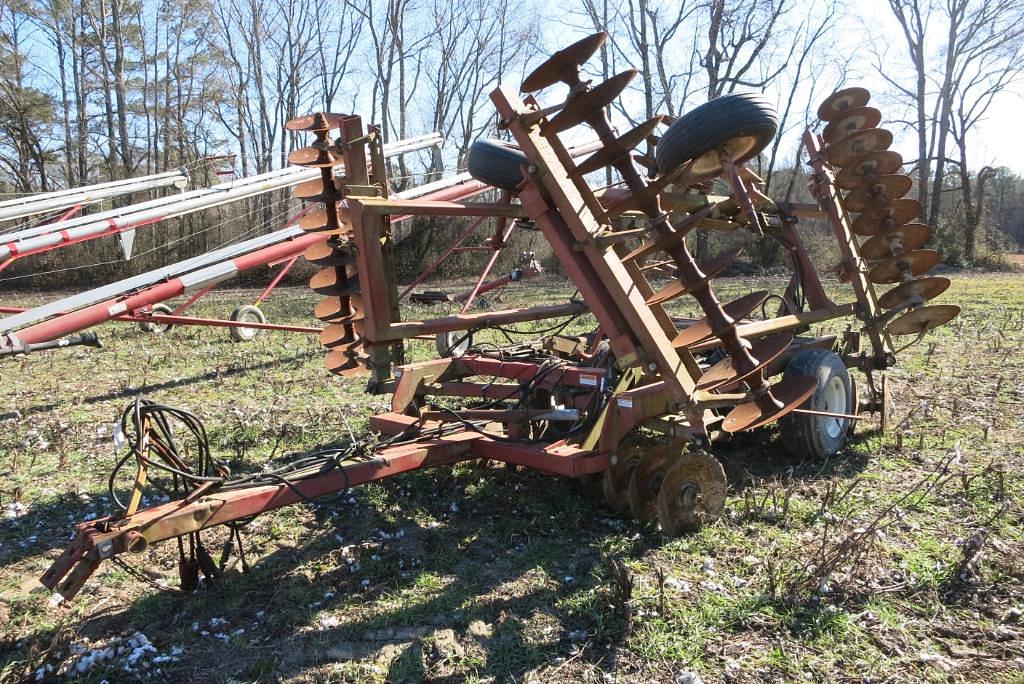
531, 169
652, 367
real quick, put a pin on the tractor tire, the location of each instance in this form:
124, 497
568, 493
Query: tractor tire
742, 123
496, 163
158, 328
246, 313
806, 435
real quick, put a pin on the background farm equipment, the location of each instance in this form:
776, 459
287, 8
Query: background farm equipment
639, 402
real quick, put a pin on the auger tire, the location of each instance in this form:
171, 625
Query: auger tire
246, 313
806, 435
158, 328
741, 123
496, 163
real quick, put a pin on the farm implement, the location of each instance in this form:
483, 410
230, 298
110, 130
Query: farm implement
638, 403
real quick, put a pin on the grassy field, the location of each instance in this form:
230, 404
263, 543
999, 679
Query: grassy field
897, 560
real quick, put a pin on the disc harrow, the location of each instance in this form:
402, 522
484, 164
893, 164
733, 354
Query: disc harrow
640, 400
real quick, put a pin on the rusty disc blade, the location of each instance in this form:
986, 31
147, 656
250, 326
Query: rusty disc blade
337, 310
327, 254
615, 480
841, 102
334, 282
344, 363
314, 157
735, 310
586, 104
609, 154
879, 163
339, 335
915, 263
321, 121
764, 350
647, 477
923, 288
909, 237
564, 64
692, 494
313, 190
878, 192
710, 270
851, 120
848, 150
783, 397
887, 218
923, 319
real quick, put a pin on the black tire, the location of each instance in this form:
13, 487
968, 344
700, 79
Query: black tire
246, 313
742, 123
158, 328
496, 163
806, 435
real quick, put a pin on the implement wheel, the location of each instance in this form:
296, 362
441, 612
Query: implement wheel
692, 494
740, 125
805, 434
158, 328
246, 313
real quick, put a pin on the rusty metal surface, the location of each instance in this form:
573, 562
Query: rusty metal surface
841, 101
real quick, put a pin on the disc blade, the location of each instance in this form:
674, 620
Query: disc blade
780, 400
345, 364
842, 101
611, 153
908, 237
337, 310
735, 310
921, 288
848, 150
851, 120
334, 282
764, 350
646, 479
564, 64
321, 121
887, 218
338, 335
878, 192
583, 106
313, 191
314, 157
879, 163
693, 493
923, 319
915, 263
710, 270
327, 254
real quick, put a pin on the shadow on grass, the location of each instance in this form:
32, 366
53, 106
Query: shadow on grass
232, 371
500, 557
507, 565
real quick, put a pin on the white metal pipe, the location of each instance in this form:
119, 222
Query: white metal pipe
206, 268
63, 199
32, 241
58, 226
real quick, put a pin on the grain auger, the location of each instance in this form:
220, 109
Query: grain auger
637, 403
